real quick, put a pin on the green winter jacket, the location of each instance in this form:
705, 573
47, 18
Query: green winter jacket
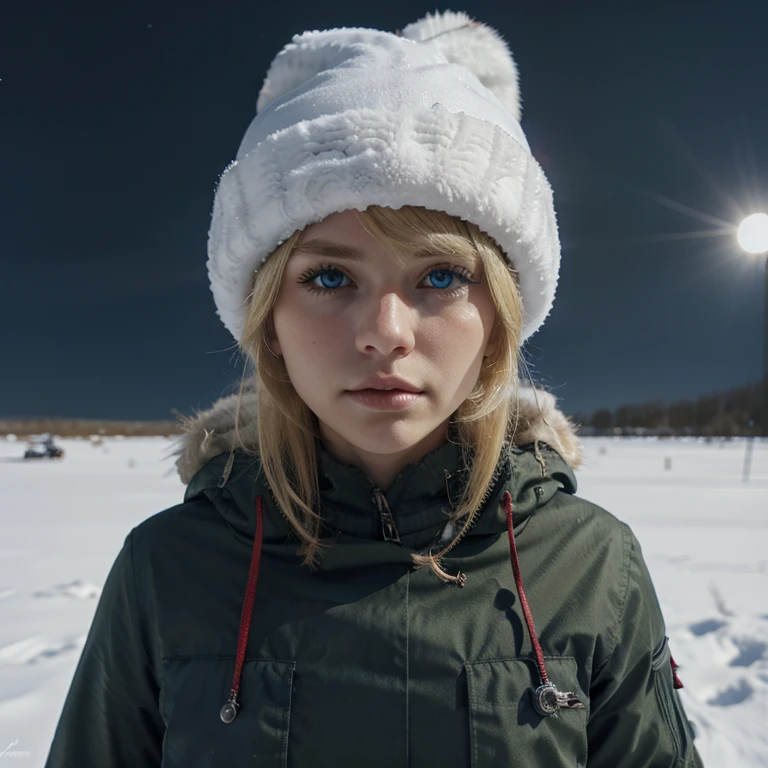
367, 661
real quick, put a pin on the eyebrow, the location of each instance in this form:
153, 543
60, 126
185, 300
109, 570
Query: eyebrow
320, 247
329, 249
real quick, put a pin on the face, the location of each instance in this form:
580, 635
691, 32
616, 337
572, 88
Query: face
339, 321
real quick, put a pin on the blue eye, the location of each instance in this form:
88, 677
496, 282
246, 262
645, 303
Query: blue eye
332, 275
324, 273
446, 273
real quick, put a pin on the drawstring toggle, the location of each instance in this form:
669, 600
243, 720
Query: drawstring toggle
547, 700
229, 710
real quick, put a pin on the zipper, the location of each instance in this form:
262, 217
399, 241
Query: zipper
475, 517
388, 527
279, 508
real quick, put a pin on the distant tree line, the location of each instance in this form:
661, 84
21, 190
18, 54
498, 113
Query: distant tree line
23, 428
728, 413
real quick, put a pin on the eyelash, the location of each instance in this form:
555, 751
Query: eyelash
306, 278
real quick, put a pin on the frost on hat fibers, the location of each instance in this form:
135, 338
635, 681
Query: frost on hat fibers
352, 117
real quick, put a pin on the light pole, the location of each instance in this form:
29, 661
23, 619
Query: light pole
753, 238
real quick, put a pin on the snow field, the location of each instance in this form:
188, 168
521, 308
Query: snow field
703, 529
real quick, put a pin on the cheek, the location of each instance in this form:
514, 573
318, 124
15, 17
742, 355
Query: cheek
462, 328
304, 336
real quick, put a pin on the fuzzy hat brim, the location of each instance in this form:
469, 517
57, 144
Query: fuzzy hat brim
352, 117
433, 158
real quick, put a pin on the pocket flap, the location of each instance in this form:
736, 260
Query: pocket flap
504, 723
194, 691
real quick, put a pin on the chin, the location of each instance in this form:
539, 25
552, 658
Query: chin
385, 436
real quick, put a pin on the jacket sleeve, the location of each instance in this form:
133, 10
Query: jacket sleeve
636, 716
111, 716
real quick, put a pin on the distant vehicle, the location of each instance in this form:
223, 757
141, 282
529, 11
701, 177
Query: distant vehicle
43, 447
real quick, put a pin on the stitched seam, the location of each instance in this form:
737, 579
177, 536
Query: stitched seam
515, 658
627, 540
287, 728
666, 697
407, 666
614, 630
160, 682
472, 720
666, 706
225, 657
657, 658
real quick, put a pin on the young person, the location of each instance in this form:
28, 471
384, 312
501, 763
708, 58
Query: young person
380, 559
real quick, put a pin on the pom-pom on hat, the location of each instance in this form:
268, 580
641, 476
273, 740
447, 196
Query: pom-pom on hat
352, 117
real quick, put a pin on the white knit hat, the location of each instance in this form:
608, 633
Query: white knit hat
354, 117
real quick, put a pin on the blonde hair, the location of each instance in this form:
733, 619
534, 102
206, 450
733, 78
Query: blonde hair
483, 423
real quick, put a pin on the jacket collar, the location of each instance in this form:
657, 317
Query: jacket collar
419, 497
542, 456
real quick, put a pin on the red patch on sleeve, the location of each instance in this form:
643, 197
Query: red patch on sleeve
677, 681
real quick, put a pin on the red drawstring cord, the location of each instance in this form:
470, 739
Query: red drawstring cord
229, 710
547, 700
520, 591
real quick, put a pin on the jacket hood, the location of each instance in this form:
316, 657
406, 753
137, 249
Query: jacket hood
538, 462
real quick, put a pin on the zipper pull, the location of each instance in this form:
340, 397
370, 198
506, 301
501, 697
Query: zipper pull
388, 527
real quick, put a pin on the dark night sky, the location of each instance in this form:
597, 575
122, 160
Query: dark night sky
117, 119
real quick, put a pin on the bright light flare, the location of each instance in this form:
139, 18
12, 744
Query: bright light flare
753, 233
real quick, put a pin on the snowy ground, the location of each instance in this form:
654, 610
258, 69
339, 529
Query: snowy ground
704, 532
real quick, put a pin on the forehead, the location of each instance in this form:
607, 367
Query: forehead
342, 236
343, 220
344, 228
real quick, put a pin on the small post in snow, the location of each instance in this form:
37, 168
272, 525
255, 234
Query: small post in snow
748, 458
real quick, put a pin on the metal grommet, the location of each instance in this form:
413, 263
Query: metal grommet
545, 699
539, 491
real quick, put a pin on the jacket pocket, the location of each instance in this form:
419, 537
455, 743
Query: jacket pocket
195, 689
504, 726
668, 700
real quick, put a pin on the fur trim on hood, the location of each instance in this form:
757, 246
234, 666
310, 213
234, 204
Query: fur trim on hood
212, 432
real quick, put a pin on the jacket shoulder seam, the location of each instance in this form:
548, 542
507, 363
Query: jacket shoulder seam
627, 547
139, 611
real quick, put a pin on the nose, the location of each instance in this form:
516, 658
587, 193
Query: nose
387, 325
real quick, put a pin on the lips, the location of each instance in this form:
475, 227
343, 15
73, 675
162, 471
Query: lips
384, 400
383, 383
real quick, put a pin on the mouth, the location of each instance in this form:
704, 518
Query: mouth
394, 391
384, 399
